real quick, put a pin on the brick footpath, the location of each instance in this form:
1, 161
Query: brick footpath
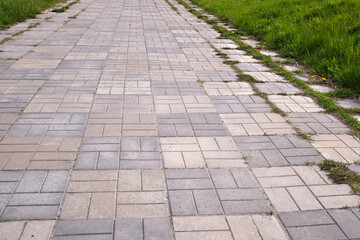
118, 120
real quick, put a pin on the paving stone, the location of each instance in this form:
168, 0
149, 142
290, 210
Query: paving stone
236, 190
182, 203
140, 153
321, 88
337, 147
76, 206
128, 229
277, 88
141, 204
252, 67
112, 104
297, 219
92, 181
276, 150
138, 104
98, 153
297, 104
347, 221
221, 235
253, 206
11, 103
304, 198
207, 202
269, 227
6, 121
37, 229
316, 232
29, 212
256, 124
103, 125
63, 103
240, 104
157, 228
176, 88
36, 195
266, 76
243, 227
169, 105
87, 228
11, 230
317, 123
227, 89
347, 103
49, 125
200, 223
186, 152
139, 125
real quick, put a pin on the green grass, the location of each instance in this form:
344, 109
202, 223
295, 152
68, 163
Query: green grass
13, 11
341, 173
341, 93
323, 35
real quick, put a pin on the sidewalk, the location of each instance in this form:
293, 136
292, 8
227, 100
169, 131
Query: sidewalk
118, 120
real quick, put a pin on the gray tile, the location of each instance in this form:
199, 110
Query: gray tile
33, 212
297, 219
347, 221
182, 203
157, 229
325, 232
264, 151
128, 229
83, 227
207, 202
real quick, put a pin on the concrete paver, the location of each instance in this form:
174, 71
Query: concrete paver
119, 120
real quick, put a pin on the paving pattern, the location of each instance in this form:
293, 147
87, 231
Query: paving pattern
119, 120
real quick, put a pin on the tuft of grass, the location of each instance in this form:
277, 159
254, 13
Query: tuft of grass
341, 93
66, 7
230, 62
341, 173
13, 11
299, 71
172, 7
323, 35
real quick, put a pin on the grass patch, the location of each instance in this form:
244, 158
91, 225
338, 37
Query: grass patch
66, 7
341, 173
172, 6
230, 62
341, 93
13, 11
323, 35
299, 71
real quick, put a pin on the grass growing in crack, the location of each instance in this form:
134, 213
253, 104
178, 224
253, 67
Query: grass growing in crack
341, 173
275, 109
13, 11
64, 8
247, 78
341, 93
299, 71
19, 33
172, 7
324, 35
230, 62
